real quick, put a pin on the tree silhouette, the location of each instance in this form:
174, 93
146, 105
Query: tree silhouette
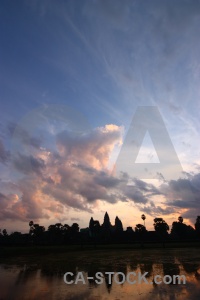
140, 228
160, 226
180, 219
143, 218
181, 231
75, 228
4, 232
197, 225
140, 233
59, 234
66, 227
36, 232
31, 230
31, 223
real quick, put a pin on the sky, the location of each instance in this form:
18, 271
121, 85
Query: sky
80, 83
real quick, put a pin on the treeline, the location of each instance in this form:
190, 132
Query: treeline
63, 234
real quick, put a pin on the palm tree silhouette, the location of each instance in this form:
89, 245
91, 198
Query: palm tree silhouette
143, 218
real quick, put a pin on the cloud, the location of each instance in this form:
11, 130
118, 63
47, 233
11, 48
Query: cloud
135, 195
76, 176
3, 199
66, 197
184, 192
28, 164
80, 185
26, 204
23, 136
4, 155
181, 196
93, 147
75, 219
156, 210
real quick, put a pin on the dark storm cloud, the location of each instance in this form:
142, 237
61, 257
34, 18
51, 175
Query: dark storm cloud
135, 195
184, 193
66, 197
146, 187
155, 211
80, 181
184, 204
180, 194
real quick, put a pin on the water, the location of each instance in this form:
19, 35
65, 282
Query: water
41, 277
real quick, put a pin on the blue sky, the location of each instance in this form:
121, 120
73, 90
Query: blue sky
99, 60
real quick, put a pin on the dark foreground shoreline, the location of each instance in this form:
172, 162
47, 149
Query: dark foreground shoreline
7, 252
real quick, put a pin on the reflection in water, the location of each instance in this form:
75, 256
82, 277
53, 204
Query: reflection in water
44, 280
